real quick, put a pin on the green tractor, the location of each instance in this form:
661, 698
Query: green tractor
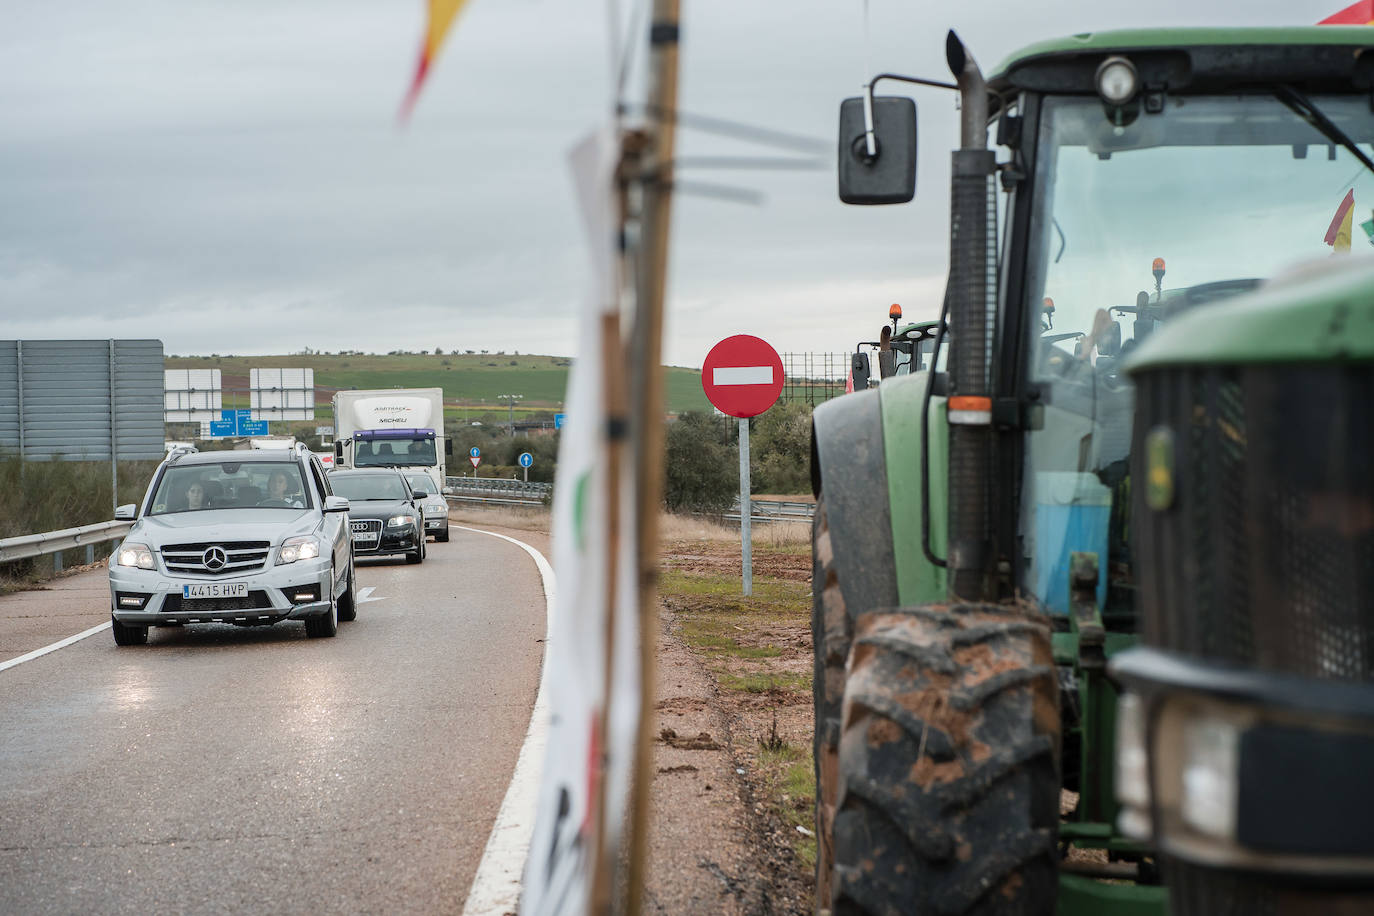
900, 349
1094, 596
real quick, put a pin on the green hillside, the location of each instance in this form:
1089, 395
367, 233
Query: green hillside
469, 380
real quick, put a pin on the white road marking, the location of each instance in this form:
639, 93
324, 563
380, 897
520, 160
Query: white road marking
496, 887
742, 375
365, 595
54, 647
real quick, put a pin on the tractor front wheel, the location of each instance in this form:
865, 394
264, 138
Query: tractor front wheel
830, 635
949, 785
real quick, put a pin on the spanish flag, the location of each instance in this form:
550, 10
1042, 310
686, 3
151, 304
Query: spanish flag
1338, 233
1360, 12
441, 16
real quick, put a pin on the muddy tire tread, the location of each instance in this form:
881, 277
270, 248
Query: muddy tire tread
981, 838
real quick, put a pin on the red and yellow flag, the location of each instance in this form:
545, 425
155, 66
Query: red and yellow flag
1338, 233
441, 16
1360, 12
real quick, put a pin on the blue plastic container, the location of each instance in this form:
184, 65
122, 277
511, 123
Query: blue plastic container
1072, 513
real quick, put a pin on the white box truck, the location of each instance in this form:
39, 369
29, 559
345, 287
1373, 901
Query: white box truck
394, 427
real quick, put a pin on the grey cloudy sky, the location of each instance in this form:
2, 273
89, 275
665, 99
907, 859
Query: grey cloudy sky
229, 177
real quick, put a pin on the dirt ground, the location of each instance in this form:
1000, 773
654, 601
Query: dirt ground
719, 843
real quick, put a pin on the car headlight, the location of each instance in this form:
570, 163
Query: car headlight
136, 555
399, 521
298, 548
435, 509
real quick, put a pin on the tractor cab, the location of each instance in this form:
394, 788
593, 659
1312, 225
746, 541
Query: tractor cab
901, 349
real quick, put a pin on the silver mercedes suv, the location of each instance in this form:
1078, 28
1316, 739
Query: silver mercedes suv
243, 537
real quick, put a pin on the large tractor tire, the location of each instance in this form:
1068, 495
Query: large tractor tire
830, 636
949, 785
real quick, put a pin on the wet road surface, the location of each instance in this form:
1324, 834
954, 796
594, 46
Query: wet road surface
220, 769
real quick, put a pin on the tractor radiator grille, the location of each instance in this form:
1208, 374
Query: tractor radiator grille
1265, 556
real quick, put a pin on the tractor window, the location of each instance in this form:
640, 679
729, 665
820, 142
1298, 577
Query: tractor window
1138, 222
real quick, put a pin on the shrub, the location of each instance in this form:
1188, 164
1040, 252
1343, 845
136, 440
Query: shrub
702, 467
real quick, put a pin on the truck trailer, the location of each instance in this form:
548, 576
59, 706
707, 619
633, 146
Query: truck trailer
395, 427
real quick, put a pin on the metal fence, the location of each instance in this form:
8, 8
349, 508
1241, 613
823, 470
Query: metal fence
813, 378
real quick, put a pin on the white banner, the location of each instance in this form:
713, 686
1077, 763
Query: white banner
587, 726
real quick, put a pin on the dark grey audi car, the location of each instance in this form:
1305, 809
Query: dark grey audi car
384, 513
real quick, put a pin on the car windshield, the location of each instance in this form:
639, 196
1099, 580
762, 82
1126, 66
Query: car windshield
369, 486
230, 485
395, 453
1137, 222
420, 482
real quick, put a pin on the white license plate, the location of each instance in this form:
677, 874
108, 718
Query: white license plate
216, 590
364, 538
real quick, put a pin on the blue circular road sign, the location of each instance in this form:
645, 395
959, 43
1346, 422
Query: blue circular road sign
474, 452
526, 459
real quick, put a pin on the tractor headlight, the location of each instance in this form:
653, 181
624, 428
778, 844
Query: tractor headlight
1209, 785
136, 555
1117, 80
298, 548
1132, 767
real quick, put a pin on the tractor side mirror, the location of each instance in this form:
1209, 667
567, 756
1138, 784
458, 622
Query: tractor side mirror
860, 371
889, 175
338, 450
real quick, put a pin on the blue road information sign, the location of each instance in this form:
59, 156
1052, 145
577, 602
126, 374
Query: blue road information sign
238, 423
474, 452
558, 420
526, 459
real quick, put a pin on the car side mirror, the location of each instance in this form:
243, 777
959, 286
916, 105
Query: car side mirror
421, 494
126, 513
335, 504
860, 370
889, 175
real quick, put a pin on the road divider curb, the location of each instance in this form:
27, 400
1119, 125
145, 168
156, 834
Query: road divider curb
496, 887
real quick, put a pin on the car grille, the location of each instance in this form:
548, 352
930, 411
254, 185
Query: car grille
256, 600
367, 534
239, 557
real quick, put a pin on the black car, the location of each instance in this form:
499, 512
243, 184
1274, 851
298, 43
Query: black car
384, 513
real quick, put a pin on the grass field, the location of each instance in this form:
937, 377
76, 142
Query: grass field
474, 380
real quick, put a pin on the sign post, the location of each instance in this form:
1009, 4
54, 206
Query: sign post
526, 459
742, 376
475, 456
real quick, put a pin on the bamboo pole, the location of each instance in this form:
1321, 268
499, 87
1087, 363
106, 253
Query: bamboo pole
646, 364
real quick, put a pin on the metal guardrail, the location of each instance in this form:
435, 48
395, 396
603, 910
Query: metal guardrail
497, 490
779, 509
497, 484
36, 545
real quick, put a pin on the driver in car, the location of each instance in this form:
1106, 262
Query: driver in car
282, 492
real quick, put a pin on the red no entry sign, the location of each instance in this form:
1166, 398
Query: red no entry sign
742, 376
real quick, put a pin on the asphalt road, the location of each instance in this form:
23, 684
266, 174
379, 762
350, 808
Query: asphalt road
231, 770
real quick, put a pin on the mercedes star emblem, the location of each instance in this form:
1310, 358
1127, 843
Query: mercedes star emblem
215, 558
